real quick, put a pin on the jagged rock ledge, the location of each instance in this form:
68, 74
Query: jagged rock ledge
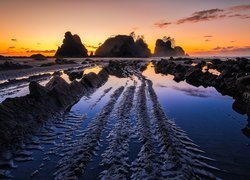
21, 116
233, 80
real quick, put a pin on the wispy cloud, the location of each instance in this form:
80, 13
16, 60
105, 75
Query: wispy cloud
41, 51
205, 15
135, 28
218, 48
244, 7
14, 40
212, 14
26, 49
230, 49
241, 16
11, 47
225, 50
240, 11
208, 36
162, 24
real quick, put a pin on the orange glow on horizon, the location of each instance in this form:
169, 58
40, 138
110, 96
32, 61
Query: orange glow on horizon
26, 29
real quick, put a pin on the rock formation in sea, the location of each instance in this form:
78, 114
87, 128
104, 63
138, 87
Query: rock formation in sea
38, 57
165, 48
71, 47
123, 46
142, 48
2, 57
233, 80
21, 116
9, 65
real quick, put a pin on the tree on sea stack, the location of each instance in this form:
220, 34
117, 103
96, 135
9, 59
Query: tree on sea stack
71, 47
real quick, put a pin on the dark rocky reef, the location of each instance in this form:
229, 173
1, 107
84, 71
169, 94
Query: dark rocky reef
234, 79
125, 68
71, 47
12, 82
64, 61
38, 57
21, 116
8, 65
123, 46
164, 48
3, 57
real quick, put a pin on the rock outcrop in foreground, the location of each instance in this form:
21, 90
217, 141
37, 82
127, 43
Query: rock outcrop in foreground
21, 116
164, 48
234, 79
9, 65
123, 46
71, 47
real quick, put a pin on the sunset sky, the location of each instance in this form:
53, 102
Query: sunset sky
211, 27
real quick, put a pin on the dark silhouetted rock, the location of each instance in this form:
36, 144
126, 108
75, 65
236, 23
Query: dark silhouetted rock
21, 116
234, 79
38, 57
164, 48
123, 46
75, 75
2, 57
179, 51
36, 90
8, 65
64, 61
142, 48
71, 47
48, 64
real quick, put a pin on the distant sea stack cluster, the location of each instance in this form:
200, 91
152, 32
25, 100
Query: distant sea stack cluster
118, 46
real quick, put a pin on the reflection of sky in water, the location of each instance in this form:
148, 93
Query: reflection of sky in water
208, 119
212, 71
95, 69
17, 91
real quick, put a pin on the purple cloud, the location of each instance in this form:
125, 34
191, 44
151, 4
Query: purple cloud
162, 24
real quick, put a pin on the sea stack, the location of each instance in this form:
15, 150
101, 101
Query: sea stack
123, 46
71, 47
165, 48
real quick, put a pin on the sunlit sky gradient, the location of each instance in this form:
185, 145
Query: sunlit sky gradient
201, 27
